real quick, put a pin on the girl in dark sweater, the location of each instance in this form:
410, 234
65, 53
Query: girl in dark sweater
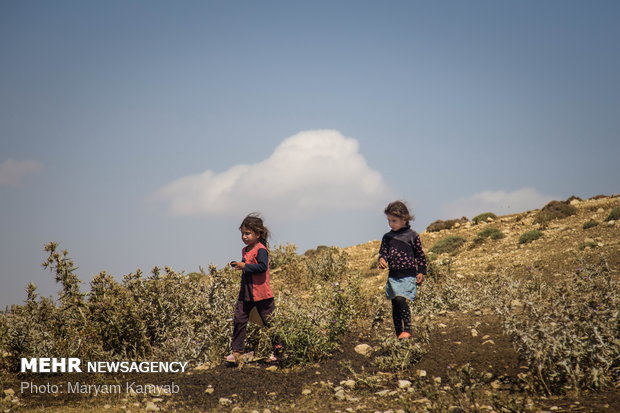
401, 251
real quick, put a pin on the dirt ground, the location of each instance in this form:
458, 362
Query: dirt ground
253, 387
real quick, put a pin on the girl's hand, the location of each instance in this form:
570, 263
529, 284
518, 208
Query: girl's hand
382, 263
239, 265
419, 279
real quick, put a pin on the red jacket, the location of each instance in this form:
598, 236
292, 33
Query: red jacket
256, 282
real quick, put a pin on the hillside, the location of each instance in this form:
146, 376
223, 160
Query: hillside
562, 247
497, 324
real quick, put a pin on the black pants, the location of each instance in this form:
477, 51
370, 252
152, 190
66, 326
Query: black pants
401, 315
242, 314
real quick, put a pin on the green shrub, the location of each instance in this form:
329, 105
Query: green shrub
587, 244
395, 354
529, 236
448, 245
327, 264
449, 224
590, 224
614, 214
282, 255
484, 217
492, 233
554, 210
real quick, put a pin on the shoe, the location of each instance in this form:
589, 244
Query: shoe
404, 335
237, 357
273, 358
233, 357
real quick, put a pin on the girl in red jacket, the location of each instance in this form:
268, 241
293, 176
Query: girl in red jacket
255, 290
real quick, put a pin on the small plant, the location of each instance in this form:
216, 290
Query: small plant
492, 233
328, 264
614, 214
448, 245
554, 210
587, 245
590, 224
529, 236
484, 217
395, 354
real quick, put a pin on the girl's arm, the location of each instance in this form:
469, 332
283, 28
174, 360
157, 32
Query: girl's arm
418, 253
383, 252
263, 263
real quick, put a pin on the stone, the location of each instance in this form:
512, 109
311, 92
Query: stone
364, 349
340, 395
474, 332
420, 373
151, 407
224, 401
348, 383
306, 392
272, 368
403, 384
488, 342
441, 325
209, 390
9, 392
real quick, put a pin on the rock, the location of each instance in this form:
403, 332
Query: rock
209, 390
272, 368
382, 393
340, 395
496, 384
423, 400
9, 392
437, 380
348, 383
486, 337
474, 332
441, 325
306, 392
420, 373
364, 349
224, 401
151, 407
403, 384
488, 342
611, 223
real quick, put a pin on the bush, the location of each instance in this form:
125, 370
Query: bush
449, 224
567, 332
590, 224
395, 354
614, 214
529, 236
327, 264
492, 233
448, 245
484, 217
554, 210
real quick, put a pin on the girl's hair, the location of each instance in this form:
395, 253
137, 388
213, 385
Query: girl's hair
254, 222
399, 209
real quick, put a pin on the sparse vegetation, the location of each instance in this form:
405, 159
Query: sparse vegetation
590, 224
448, 224
530, 236
554, 210
484, 217
448, 245
614, 214
492, 233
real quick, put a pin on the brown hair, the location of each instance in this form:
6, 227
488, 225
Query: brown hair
254, 223
399, 209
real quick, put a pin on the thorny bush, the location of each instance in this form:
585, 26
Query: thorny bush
568, 332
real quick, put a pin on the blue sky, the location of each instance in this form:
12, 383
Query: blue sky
139, 134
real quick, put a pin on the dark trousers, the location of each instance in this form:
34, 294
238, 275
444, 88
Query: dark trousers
242, 314
401, 315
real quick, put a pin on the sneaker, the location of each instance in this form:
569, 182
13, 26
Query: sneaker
404, 335
273, 358
233, 357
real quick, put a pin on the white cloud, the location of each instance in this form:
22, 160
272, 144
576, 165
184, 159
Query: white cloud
13, 172
310, 172
498, 202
